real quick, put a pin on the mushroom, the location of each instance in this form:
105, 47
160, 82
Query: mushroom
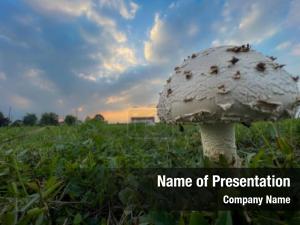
216, 103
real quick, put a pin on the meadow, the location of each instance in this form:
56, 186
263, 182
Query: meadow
56, 174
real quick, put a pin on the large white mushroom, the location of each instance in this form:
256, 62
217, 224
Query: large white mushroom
224, 85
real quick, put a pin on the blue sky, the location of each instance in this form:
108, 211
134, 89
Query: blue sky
108, 56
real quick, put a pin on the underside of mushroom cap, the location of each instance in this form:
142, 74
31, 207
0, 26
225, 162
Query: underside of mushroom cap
228, 84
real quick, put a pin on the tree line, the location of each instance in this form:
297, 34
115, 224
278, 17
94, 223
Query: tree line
48, 118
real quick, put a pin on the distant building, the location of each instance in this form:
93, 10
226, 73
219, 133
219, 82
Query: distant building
143, 119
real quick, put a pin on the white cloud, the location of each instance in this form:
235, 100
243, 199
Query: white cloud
36, 78
251, 18
116, 99
293, 18
3, 76
138, 94
127, 9
71, 8
160, 47
250, 22
216, 43
283, 45
193, 29
89, 77
76, 8
20, 102
113, 63
122, 58
13, 41
60, 101
111, 52
296, 50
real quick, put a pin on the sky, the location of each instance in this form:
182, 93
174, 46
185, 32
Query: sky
84, 57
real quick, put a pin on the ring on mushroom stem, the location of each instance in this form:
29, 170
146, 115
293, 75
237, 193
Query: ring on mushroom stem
218, 101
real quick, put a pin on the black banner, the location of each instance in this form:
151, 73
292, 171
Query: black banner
209, 189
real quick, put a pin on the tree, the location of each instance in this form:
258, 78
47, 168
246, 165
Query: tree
4, 121
30, 119
49, 119
87, 119
70, 120
98, 117
17, 123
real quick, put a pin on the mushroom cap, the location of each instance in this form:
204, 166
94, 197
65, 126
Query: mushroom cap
222, 84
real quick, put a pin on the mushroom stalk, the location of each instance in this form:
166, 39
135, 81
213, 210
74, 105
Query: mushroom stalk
219, 139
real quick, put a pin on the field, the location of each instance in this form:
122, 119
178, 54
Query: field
54, 175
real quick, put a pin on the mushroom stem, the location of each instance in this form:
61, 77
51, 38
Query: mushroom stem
219, 139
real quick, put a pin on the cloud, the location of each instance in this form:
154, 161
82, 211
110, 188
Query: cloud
37, 78
296, 50
126, 9
66, 7
109, 63
2, 76
121, 58
107, 45
158, 37
77, 8
20, 102
293, 18
251, 22
283, 45
115, 99
13, 41
175, 33
140, 94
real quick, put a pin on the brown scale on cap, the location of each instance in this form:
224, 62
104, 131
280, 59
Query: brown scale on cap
194, 56
237, 75
234, 60
188, 74
295, 78
237, 49
214, 69
245, 48
169, 92
176, 68
222, 89
272, 58
261, 67
279, 66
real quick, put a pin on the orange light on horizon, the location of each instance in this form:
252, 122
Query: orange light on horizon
124, 115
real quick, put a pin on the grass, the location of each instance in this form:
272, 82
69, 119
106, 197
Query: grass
54, 175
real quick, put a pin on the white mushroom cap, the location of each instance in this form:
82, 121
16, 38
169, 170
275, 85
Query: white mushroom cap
231, 84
